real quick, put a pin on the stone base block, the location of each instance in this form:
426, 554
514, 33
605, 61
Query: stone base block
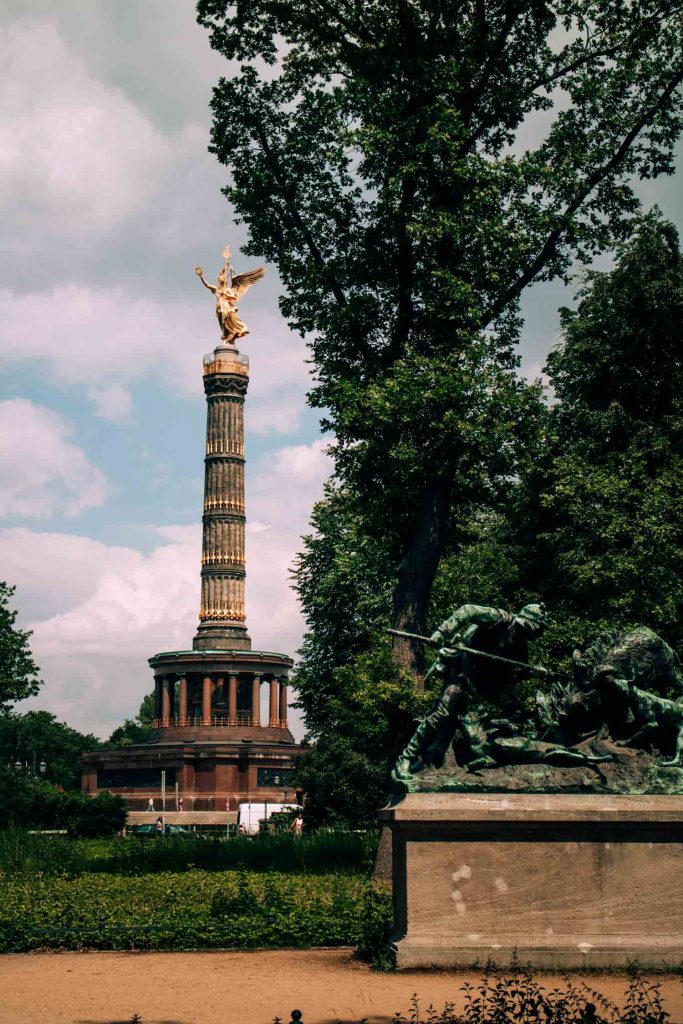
562, 881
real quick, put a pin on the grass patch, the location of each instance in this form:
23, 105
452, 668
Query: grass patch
190, 910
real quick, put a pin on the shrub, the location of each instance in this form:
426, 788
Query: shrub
192, 910
318, 853
32, 803
102, 815
512, 996
373, 943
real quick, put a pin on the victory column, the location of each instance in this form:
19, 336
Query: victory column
209, 735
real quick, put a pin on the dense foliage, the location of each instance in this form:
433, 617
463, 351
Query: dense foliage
411, 167
37, 737
368, 716
321, 852
193, 910
18, 672
592, 526
606, 505
29, 802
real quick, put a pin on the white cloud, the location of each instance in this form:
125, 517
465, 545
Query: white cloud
71, 146
54, 571
92, 637
285, 484
139, 603
98, 612
112, 402
87, 336
280, 497
41, 471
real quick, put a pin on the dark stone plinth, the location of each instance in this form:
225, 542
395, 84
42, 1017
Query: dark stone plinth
560, 880
215, 636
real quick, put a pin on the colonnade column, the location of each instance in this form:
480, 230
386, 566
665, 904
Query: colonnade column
182, 709
256, 700
165, 703
217, 685
206, 701
232, 699
283, 703
171, 699
157, 698
272, 705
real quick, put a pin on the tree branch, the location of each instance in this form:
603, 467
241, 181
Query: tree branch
495, 51
294, 214
404, 275
358, 32
550, 245
559, 74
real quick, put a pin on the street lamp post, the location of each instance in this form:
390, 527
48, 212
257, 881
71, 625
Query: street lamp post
23, 766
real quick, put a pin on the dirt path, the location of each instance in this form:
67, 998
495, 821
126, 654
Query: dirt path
229, 988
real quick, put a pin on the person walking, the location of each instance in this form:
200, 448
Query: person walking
159, 827
297, 826
150, 806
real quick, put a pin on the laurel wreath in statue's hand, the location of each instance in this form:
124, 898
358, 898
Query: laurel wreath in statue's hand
198, 271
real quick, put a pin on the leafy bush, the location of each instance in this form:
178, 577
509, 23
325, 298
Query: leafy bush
373, 944
35, 804
514, 996
193, 910
102, 815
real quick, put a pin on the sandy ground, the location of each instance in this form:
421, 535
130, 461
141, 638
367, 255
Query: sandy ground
230, 988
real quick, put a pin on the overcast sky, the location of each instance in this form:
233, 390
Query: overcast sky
109, 200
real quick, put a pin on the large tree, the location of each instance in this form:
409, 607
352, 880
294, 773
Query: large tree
411, 168
607, 501
38, 737
18, 672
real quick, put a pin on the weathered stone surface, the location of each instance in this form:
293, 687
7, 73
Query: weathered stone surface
562, 880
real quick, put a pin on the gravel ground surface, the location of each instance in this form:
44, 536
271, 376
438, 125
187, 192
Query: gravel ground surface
233, 988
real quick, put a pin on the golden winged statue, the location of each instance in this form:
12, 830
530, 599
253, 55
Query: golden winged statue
229, 288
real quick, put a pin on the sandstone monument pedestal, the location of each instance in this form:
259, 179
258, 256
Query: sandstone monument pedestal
561, 880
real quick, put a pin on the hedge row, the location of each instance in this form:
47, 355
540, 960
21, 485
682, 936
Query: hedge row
192, 910
319, 853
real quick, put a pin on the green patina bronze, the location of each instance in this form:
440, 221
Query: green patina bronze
586, 734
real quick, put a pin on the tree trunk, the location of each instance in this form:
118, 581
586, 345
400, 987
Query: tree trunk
416, 574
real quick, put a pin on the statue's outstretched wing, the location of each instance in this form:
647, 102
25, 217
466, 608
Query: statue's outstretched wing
243, 282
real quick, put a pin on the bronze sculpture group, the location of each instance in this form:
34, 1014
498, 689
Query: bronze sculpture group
626, 689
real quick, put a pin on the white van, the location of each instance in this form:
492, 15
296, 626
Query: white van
249, 815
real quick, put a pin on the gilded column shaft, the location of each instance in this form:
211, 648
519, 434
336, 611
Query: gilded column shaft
222, 611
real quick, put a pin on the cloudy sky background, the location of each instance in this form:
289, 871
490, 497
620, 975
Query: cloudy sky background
109, 199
